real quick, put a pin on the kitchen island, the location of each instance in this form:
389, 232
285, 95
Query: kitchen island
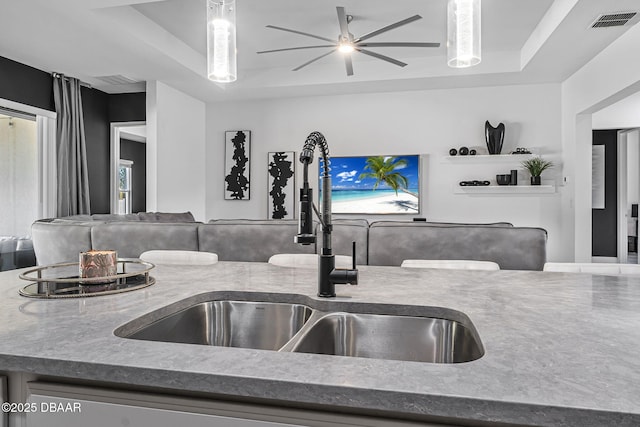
560, 348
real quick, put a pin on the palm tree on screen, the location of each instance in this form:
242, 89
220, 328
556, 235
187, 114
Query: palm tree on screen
383, 169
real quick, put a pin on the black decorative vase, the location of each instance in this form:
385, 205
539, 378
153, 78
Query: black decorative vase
494, 137
535, 180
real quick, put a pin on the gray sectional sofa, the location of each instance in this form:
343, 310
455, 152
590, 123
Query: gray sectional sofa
378, 243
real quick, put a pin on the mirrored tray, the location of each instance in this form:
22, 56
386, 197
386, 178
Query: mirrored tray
63, 281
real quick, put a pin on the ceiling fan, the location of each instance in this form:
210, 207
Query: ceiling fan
347, 43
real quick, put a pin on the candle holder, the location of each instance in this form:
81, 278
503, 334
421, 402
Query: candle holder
96, 264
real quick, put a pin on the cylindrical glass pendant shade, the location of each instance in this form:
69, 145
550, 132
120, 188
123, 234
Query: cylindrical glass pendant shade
221, 40
463, 33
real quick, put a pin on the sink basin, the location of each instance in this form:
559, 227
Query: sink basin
247, 324
418, 339
294, 323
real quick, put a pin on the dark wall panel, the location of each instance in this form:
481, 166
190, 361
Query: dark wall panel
128, 107
136, 152
97, 133
604, 221
26, 85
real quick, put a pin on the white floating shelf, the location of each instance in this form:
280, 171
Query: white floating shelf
505, 189
488, 158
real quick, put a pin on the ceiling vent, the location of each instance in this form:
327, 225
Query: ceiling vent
614, 19
117, 80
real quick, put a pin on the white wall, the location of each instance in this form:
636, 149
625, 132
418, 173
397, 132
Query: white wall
418, 122
623, 114
175, 151
611, 76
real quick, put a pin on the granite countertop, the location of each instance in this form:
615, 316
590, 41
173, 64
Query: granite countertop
560, 349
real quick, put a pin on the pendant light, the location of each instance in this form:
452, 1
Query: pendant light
221, 41
463, 33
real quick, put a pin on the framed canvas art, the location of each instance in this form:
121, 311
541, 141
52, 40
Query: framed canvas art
237, 164
375, 184
282, 184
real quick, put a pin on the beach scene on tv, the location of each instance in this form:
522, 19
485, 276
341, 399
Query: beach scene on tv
375, 185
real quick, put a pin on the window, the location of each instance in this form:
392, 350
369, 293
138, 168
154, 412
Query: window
124, 186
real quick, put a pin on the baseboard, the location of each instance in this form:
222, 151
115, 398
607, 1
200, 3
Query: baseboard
604, 259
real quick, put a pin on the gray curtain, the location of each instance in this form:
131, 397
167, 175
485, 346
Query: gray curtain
73, 175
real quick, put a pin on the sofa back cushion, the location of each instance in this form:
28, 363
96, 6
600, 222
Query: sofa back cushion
166, 216
59, 242
250, 240
130, 239
513, 248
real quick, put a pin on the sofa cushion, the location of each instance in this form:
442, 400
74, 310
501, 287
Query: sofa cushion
440, 224
250, 240
166, 216
115, 217
513, 248
55, 242
130, 239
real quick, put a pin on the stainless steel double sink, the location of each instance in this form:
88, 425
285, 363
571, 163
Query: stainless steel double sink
295, 323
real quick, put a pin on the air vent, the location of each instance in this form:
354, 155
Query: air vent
117, 80
613, 19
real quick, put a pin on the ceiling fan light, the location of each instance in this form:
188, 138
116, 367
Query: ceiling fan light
463, 33
346, 48
221, 41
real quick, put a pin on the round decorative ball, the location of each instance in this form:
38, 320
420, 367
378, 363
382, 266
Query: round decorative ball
472, 152
453, 152
464, 151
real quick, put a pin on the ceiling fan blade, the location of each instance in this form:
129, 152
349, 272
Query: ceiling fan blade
301, 33
342, 20
388, 28
383, 57
398, 44
295, 48
314, 60
349, 63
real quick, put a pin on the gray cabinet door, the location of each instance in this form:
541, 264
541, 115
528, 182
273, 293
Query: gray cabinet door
4, 397
59, 412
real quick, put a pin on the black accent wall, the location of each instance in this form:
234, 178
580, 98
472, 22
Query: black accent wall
128, 107
97, 133
137, 153
26, 85
604, 221
30, 86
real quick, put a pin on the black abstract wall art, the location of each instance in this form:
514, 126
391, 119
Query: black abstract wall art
237, 165
281, 167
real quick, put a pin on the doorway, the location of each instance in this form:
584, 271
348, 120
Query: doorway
628, 194
128, 167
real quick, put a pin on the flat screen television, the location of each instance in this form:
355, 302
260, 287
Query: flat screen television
374, 184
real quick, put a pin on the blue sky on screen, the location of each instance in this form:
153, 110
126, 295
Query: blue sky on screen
346, 171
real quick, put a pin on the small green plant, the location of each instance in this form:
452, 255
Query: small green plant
537, 165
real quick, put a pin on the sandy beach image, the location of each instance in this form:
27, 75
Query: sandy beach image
381, 203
